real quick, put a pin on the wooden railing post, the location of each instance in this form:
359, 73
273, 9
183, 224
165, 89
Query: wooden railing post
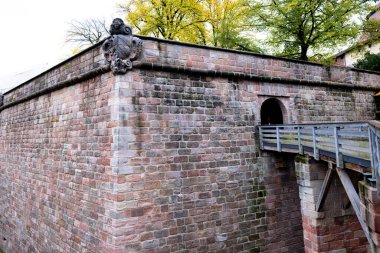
300, 149
315, 149
261, 138
376, 156
278, 139
371, 142
338, 157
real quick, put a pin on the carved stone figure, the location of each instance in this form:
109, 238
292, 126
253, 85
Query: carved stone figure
122, 47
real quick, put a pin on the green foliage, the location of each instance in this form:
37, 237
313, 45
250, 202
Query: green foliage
169, 19
228, 22
370, 62
302, 28
325, 59
220, 23
370, 31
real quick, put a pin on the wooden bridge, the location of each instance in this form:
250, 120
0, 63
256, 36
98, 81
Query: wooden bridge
352, 146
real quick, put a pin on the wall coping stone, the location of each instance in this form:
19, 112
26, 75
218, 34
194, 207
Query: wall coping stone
60, 85
253, 54
226, 74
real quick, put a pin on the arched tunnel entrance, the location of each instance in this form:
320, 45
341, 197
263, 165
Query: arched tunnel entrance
271, 112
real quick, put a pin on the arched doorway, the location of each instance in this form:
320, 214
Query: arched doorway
271, 112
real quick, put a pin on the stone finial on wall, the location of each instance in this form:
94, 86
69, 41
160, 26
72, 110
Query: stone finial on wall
122, 47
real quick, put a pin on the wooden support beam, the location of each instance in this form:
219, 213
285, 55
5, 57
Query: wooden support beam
355, 202
300, 148
355, 180
278, 141
325, 188
338, 155
315, 149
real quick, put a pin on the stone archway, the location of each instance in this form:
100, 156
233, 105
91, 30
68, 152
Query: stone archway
271, 112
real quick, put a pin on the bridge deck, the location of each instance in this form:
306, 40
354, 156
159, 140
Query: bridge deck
342, 143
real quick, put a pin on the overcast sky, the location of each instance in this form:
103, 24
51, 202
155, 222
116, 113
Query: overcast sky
33, 33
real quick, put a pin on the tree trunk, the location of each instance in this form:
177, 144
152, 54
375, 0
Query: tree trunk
303, 56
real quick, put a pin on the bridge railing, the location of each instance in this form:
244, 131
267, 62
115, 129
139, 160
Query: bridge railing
374, 140
343, 142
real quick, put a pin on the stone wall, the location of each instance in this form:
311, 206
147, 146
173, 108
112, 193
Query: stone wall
55, 174
370, 208
188, 158
284, 232
165, 157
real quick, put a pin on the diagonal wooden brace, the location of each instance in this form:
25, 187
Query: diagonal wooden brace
325, 188
355, 202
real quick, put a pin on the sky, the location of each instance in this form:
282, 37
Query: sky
33, 34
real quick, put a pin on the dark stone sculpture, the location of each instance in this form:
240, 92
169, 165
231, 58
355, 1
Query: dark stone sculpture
122, 47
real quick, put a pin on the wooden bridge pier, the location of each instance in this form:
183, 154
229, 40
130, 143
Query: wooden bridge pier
337, 169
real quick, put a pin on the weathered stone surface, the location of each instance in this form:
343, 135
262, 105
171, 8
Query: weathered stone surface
161, 161
54, 164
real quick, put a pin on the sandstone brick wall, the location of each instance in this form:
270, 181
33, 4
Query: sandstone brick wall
89, 60
55, 170
188, 157
216, 60
284, 232
369, 208
164, 158
319, 104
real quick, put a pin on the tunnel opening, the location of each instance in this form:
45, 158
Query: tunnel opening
271, 113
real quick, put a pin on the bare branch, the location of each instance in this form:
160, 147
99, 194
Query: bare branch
87, 32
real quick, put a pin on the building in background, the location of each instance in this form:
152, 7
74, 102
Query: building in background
351, 55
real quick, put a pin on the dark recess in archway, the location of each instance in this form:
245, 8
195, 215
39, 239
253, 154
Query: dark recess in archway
271, 112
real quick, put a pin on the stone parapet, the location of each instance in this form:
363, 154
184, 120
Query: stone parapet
68, 72
183, 55
166, 55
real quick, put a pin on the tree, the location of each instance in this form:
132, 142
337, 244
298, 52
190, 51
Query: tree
221, 23
87, 32
301, 28
370, 62
169, 19
229, 20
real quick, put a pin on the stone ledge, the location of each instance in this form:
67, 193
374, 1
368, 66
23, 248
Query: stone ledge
82, 77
